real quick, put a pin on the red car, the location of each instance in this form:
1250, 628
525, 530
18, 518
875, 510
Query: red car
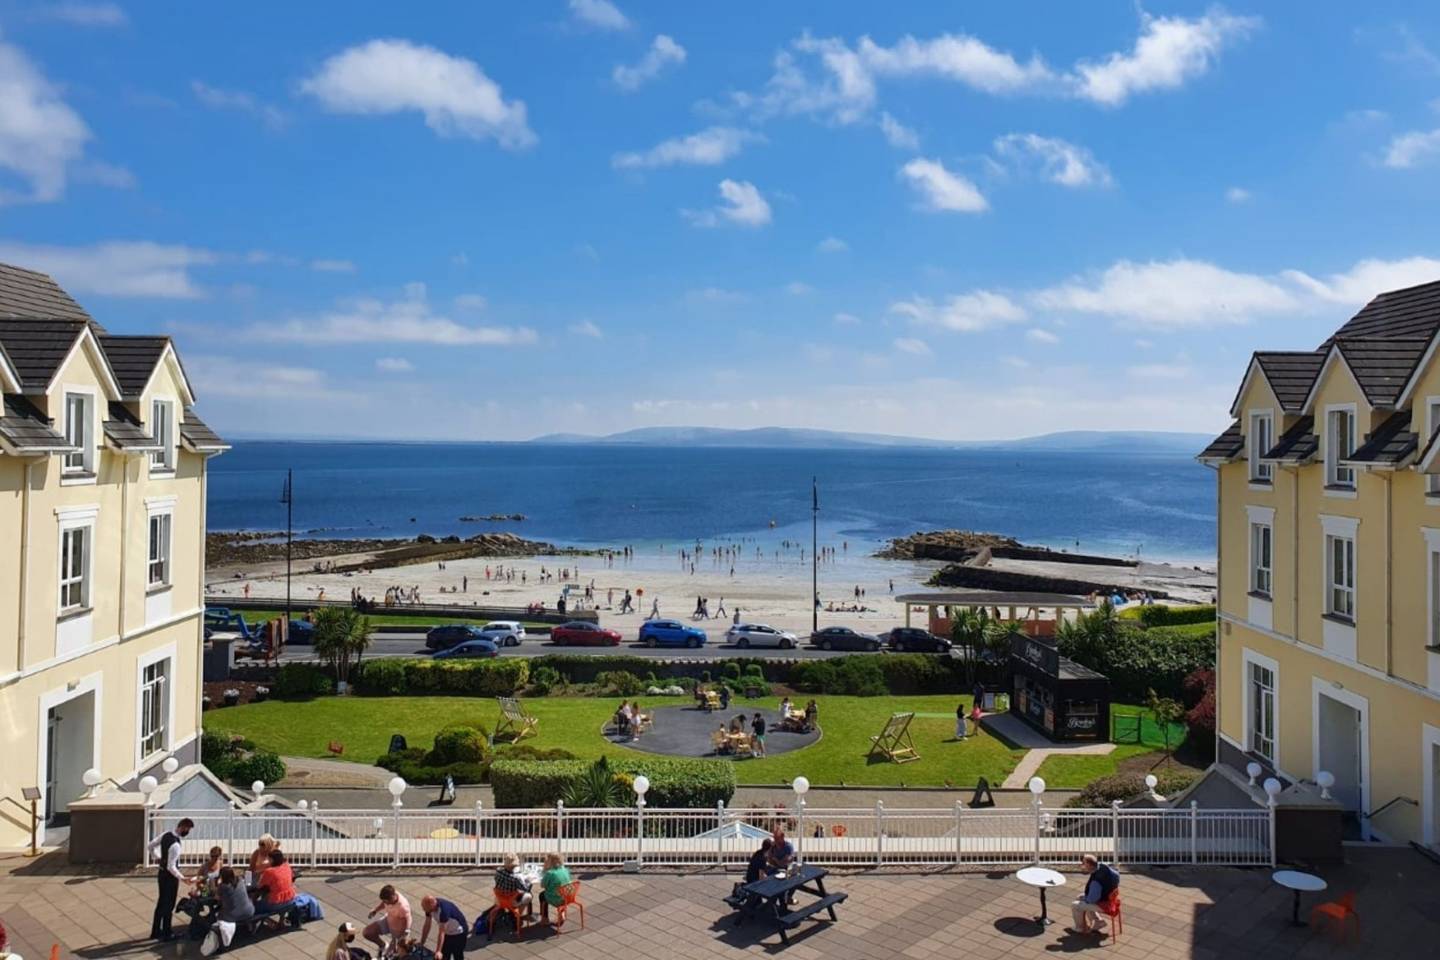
583, 633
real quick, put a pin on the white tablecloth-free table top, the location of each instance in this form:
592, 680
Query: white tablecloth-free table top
1040, 877
1299, 881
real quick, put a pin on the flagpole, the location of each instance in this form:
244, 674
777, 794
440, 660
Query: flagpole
814, 557
289, 535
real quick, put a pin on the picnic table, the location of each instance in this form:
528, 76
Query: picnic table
769, 898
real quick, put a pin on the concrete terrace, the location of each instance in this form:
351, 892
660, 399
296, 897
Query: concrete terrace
1169, 914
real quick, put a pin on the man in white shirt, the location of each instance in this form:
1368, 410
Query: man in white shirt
166, 850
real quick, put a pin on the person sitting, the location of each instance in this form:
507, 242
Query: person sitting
277, 886
508, 880
1101, 883
339, 946
782, 852
622, 719
395, 923
759, 861
235, 903
204, 878
260, 858
700, 699
785, 707
721, 739
556, 875
452, 928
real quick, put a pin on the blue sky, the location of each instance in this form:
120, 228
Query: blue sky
490, 221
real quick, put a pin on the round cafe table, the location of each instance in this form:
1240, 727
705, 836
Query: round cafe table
1299, 883
1043, 878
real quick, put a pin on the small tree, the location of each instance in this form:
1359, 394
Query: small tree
967, 630
1165, 712
341, 636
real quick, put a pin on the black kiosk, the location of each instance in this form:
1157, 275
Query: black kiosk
1058, 697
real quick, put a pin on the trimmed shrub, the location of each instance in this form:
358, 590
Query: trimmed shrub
459, 743
296, 681
620, 683
843, 676
1200, 717
543, 679
220, 752
1128, 786
261, 765
1138, 660
1160, 615
482, 678
674, 782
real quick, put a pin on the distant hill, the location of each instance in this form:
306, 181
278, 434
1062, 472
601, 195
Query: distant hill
1074, 441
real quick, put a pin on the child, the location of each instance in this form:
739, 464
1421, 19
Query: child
975, 714
960, 721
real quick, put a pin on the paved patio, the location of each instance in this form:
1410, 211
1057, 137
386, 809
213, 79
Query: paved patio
1206, 914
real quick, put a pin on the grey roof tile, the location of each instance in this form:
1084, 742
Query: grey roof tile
24, 427
1291, 374
1382, 365
1227, 446
1389, 443
31, 294
124, 430
1299, 444
1413, 312
37, 347
133, 358
197, 435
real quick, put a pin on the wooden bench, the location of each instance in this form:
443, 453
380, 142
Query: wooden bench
792, 919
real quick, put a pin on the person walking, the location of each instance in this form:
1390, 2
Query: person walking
167, 852
720, 610
960, 721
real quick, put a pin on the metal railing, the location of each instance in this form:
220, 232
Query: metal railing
640, 836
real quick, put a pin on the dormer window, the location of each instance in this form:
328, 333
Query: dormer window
162, 428
1339, 445
79, 433
1262, 438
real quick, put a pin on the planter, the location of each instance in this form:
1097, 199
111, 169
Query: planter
206, 703
232, 697
262, 694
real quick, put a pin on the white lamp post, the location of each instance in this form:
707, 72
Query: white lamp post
1037, 787
303, 805
642, 787
801, 786
1325, 780
147, 786
257, 788
1254, 770
170, 766
1272, 789
91, 778
1151, 782
396, 786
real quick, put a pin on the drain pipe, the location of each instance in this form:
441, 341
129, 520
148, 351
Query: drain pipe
1295, 553
1389, 476
1219, 537
23, 605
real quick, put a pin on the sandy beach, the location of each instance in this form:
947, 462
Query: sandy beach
774, 588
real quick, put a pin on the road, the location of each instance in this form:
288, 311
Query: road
408, 645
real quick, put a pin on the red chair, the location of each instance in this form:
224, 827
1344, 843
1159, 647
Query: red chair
1340, 911
569, 896
506, 902
1110, 906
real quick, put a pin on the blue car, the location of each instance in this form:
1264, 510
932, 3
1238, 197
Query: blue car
470, 648
670, 633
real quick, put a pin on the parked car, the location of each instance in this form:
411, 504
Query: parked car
759, 635
844, 638
671, 633
915, 640
583, 633
447, 635
478, 647
507, 633
302, 631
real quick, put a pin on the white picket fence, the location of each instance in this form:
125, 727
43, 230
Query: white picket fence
875, 836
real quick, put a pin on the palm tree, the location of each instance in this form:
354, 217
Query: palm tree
967, 630
341, 636
596, 787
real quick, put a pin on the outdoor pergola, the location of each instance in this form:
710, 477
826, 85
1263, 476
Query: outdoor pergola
1001, 604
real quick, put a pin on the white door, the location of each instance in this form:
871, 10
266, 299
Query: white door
52, 765
1341, 751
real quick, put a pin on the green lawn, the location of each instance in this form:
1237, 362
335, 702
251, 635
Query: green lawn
364, 725
1150, 733
1076, 771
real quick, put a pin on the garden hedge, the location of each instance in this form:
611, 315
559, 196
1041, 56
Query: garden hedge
395, 676
1138, 660
1127, 786
674, 782
1161, 615
294, 681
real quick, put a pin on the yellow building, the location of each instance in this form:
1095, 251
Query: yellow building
1329, 577
102, 519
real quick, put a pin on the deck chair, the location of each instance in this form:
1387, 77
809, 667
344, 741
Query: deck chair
514, 721
894, 743
712, 700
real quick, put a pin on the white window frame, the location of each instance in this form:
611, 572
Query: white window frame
167, 655
1261, 473
80, 467
1432, 588
1340, 479
164, 516
1340, 529
163, 430
1262, 575
1251, 660
1432, 421
78, 520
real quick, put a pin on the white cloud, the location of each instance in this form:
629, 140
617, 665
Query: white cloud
1367, 278
912, 346
940, 189
1019, 363
104, 174
797, 288
393, 76
407, 320
471, 301
897, 134
599, 13
846, 319
41, 138
708, 147
586, 328
663, 52
832, 244
217, 99
394, 365
1055, 160
741, 203
965, 313
125, 268
1412, 149
957, 57
1238, 195
1168, 52
332, 266
1038, 335
84, 14
1171, 294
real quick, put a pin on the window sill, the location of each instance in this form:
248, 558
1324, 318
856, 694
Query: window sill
1260, 595
1341, 619
1340, 490
1261, 486
162, 473
70, 613
1433, 647
76, 479
152, 759
155, 588
1433, 499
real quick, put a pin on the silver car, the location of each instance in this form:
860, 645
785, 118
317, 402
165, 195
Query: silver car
759, 635
504, 633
